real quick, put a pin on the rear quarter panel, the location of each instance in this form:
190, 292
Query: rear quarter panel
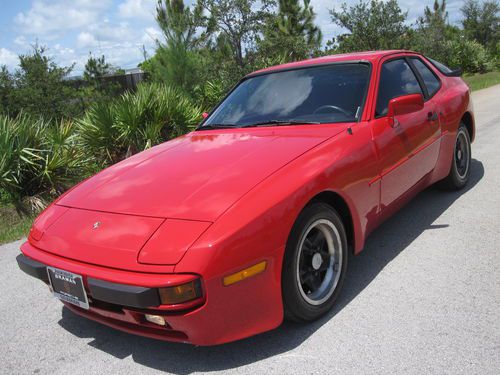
452, 101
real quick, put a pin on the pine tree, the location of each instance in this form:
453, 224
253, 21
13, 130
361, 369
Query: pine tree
175, 62
292, 34
434, 32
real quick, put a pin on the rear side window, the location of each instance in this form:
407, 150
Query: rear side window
396, 79
430, 80
440, 66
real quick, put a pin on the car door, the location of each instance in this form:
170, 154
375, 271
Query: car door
431, 86
405, 150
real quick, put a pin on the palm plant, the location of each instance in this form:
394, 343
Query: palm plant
38, 160
211, 92
137, 121
98, 135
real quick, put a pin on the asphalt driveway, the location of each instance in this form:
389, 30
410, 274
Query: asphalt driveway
424, 297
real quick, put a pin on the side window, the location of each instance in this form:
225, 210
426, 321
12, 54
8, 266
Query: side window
430, 80
396, 79
441, 67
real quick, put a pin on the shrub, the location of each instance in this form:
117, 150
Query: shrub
469, 55
137, 121
98, 135
38, 160
210, 93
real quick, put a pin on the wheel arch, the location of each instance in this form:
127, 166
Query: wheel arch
337, 202
468, 120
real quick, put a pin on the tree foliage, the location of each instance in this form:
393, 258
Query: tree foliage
175, 61
436, 38
96, 68
291, 34
39, 87
433, 31
6, 90
236, 24
98, 86
481, 23
179, 23
468, 55
371, 26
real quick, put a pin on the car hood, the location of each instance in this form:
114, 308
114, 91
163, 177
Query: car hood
197, 176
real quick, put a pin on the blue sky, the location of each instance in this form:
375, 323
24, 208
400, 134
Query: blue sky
71, 29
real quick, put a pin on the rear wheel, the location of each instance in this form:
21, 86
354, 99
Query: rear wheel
460, 168
314, 264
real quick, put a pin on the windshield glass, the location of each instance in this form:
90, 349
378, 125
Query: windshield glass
322, 94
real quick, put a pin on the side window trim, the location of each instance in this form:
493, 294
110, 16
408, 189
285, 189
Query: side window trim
420, 80
419, 76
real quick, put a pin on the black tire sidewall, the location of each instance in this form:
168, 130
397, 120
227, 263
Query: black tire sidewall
457, 181
296, 307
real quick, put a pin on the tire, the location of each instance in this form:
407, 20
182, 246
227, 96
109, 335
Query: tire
314, 264
461, 162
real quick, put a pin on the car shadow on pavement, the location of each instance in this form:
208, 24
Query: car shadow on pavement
383, 245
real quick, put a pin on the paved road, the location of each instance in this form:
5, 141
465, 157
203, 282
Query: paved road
424, 297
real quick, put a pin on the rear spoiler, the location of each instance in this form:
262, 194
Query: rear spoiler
454, 73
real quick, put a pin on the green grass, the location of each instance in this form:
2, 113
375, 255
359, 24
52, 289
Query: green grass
481, 81
13, 227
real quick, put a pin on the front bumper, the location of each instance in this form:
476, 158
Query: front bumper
100, 290
117, 305
120, 298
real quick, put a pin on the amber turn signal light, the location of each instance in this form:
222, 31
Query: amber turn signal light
174, 295
244, 274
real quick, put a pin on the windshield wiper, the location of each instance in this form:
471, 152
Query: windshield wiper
215, 126
280, 123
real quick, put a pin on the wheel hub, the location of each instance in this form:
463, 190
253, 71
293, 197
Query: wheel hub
462, 154
317, 261
320, 252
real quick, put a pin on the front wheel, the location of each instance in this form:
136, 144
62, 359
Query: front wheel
315, 263
460, 167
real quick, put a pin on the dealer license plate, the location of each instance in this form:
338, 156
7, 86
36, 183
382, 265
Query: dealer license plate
68, 287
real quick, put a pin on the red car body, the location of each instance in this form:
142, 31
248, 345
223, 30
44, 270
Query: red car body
211, 203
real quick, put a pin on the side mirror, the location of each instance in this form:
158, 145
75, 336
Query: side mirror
204, 115
403, 105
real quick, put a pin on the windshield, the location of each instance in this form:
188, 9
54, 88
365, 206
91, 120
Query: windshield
321, 94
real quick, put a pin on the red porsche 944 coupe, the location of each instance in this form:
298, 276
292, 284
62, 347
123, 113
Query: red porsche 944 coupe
224, 232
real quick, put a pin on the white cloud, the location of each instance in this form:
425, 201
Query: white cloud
52, 18
8, 58
85, 40
112, 32
150, 36
137, 9
21, 41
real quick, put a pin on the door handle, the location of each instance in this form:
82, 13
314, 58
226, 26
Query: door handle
432, 116
394, 122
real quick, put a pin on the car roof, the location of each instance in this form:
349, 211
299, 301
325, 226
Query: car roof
371, 56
